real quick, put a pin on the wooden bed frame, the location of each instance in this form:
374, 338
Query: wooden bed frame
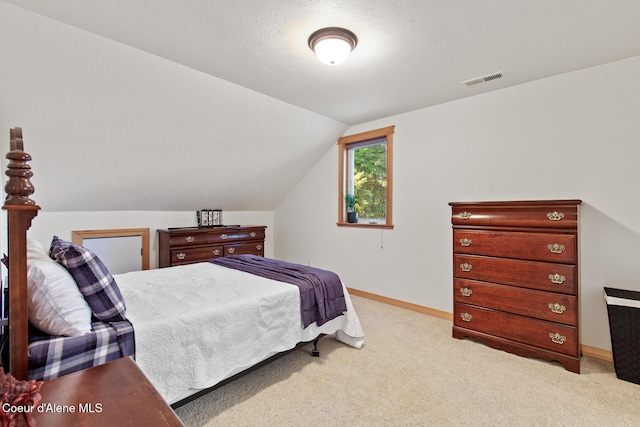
20, 212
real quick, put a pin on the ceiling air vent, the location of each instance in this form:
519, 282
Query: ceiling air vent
483, 79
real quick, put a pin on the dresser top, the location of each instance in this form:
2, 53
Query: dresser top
221, 228
506, 203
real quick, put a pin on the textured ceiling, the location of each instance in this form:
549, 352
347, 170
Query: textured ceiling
411, 53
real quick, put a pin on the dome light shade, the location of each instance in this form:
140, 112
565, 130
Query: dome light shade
333, 45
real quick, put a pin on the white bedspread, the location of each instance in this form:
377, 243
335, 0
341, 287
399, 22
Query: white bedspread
198, 324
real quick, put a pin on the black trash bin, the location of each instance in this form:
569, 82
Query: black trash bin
623, 307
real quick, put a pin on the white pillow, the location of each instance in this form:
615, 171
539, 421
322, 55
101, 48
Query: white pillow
55, 303
35, 251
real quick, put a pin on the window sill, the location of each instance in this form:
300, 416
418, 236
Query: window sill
363, 225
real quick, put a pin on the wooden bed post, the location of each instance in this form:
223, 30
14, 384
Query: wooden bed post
20, 211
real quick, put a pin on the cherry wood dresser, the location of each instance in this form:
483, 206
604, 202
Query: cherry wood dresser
188, 245
515, 277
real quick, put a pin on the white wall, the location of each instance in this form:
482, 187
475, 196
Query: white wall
111, 127
574, 136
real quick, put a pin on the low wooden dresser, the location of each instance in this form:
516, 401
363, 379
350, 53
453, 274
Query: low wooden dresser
515, 277
188, 245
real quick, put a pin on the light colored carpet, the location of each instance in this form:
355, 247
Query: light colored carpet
411, 372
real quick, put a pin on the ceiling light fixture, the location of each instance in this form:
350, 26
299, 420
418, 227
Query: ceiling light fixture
333, 45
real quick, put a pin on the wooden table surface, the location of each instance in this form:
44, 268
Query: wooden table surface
114, 394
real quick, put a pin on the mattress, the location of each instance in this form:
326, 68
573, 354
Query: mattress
198, 324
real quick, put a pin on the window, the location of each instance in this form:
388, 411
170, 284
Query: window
365, 171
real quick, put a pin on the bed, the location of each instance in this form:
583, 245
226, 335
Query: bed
189, 328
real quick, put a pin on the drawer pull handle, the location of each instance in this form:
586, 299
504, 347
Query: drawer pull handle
557, 308
223, 236
253, 234
557, 338
465, 215
189, 239
556, 248
558, 279
465, 267
181, 255
555, 216
216, 252
466, 242
466, 292
258, 247
466, 317
232, 250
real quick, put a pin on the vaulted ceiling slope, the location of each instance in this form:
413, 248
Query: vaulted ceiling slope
180, 105
411, 53
113, 128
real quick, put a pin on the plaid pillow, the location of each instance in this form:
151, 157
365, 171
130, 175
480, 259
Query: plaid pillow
94, 280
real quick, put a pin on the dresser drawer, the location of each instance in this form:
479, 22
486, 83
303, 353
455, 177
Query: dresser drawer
543, 334
523, 215
551, 306
546, 276
249, 234
227, 236
253, 248
208, 238
191, 255
552, 247
190, 239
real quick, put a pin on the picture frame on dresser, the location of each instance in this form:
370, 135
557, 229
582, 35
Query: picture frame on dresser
203, 217
516, 277
209, 218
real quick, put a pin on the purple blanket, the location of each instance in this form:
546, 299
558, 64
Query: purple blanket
321, 294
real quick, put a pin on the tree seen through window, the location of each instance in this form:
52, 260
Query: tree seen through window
370, 181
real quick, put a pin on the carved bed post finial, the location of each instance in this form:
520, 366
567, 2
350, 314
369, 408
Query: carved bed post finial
20, 212
19, 186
